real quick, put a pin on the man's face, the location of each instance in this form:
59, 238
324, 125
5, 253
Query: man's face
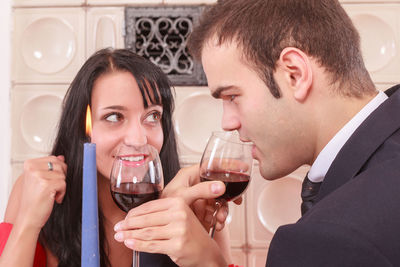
250, 108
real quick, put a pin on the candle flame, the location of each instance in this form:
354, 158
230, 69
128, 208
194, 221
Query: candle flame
88, 121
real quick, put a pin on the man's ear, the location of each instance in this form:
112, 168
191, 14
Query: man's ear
297, 71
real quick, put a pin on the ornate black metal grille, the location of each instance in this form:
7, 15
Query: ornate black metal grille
159, 34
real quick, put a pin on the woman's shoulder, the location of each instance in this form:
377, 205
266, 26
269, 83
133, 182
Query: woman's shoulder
13, 201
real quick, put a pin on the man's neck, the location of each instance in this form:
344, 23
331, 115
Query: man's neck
332, 114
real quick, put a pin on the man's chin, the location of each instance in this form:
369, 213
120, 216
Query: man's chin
267, 174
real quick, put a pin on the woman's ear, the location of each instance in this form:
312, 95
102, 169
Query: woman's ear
297, 71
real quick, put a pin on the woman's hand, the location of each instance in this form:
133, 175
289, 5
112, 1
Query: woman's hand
169, 226
40, 187
30, 205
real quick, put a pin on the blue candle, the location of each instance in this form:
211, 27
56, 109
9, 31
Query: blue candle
90, 220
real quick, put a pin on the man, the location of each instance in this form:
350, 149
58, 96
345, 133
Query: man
292, 80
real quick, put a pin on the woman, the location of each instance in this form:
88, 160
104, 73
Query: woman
131, 103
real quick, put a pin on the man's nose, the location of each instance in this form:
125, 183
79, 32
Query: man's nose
230, 121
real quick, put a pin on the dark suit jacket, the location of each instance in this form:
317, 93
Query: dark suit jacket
356, 220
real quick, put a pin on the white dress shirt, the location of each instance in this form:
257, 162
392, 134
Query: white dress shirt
328, 154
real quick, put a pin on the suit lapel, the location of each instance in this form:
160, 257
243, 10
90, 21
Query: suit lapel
363, 143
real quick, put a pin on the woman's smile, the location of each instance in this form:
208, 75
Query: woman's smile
134, 160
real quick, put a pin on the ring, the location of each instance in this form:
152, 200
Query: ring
50, 166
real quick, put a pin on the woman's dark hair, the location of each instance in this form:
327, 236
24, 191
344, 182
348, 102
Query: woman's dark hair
263, 28
62, 232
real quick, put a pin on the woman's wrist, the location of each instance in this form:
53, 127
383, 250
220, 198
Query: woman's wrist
24, 228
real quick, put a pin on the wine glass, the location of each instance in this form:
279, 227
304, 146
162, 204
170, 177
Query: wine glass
229, 160
136, 177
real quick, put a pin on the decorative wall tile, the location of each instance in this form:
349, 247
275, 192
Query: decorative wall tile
189, 2
271, 204
159, 34
49, 44
123, 2
257, 257
236, 222
196, 115
35, 3
36, 110
239, 257
104, 28
379, 28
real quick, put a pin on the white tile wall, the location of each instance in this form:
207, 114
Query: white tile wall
104, 28
35, 111
49, 44
236, 222
239, 257
257, 257
123, 2
271, 204
26, 3
189, 2
194, 105
379, 27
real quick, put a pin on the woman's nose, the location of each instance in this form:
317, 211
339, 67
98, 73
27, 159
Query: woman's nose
135, 134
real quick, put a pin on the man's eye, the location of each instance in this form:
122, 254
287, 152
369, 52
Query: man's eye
114, 117
153, 117
229, 98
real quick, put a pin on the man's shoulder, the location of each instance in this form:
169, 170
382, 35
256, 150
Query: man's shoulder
373, 191
323, 243
360, 216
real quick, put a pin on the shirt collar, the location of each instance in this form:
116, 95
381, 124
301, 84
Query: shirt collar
328, 154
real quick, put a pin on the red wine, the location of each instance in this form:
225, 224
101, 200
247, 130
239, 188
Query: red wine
131, 195
235, 183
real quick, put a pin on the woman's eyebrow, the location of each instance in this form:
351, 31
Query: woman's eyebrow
117, 107
154, 105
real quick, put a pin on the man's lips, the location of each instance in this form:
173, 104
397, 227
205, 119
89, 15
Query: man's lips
133, 160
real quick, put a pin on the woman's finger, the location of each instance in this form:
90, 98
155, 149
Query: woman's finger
153, 206
152, 246
60, 188
148, 233
148, 220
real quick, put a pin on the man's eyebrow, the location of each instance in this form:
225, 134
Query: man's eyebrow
219, 90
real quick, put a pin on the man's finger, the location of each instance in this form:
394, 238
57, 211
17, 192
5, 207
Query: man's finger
186, 177
204, 190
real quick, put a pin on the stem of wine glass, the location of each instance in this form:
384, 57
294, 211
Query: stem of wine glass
135, 259
218, 205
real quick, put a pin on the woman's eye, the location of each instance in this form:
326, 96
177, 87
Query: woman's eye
114, 117
153, 117
232, 97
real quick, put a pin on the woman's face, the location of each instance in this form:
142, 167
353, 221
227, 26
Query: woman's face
119, 118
